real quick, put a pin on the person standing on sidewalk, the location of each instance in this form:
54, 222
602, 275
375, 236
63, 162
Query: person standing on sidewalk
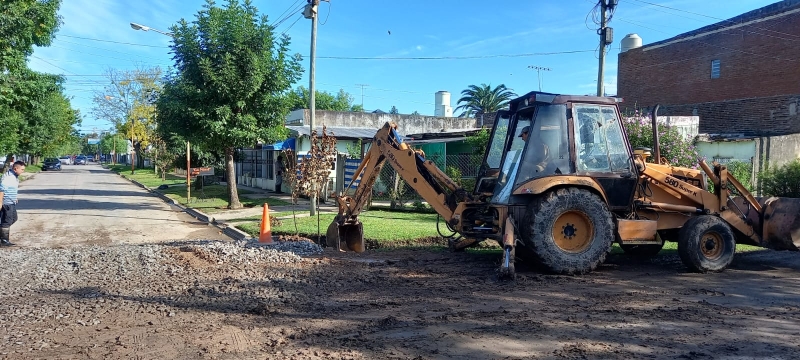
280, 168
8, 188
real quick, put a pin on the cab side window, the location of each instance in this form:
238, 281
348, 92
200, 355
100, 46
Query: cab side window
599, 142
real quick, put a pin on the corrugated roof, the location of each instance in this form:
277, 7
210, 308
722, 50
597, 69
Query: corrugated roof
339, 132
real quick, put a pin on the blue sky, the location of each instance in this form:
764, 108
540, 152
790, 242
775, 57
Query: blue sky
96, 36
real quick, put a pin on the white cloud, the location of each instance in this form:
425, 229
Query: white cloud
419, 47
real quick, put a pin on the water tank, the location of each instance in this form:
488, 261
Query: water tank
443, 108
630, 41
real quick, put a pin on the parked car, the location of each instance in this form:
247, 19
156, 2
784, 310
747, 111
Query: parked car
51, 164
81, 160
66, 160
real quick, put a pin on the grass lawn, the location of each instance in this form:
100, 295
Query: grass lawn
383, 227
213, 198
146, 176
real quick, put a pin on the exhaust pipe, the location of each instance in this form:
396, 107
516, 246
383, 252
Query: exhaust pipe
656, 146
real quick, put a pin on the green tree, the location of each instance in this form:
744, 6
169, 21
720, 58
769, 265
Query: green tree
394, 110
476, 100
113, 143
323, 100
47, 126
128, 102
233, 74
415, 113
23, 25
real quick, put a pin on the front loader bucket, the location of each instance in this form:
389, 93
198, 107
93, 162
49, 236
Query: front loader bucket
781, 223
346, 237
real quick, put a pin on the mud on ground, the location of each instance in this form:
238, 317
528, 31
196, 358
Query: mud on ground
193, 302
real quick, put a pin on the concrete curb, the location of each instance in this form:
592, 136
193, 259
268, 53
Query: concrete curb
235, 233
197, 214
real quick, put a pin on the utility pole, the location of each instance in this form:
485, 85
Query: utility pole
310, 12
188, 175
606, 38
362, 94
539, 70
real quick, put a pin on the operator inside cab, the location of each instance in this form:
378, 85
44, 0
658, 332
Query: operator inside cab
541, 152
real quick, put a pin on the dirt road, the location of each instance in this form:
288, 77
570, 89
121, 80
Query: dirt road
86, 204
212, 301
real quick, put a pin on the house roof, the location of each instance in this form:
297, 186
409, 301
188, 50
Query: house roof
740, 21
369, 133
338, 132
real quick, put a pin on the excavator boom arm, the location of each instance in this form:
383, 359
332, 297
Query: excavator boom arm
432, 184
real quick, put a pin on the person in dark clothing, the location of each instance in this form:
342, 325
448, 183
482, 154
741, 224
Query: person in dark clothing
280, 168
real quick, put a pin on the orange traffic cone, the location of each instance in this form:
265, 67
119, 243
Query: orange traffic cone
266, 232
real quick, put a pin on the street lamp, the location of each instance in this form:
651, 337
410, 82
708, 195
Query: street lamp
136, 26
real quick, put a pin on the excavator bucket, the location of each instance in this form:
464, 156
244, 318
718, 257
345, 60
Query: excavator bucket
780, 223
346, 236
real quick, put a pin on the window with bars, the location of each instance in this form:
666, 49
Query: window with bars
715, 69
269, 162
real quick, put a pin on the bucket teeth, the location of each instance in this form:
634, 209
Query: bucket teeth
346, 237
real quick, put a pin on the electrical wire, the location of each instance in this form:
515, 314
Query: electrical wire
454, 57
712, 17
112, 41
290, 26
329, 13
287, 9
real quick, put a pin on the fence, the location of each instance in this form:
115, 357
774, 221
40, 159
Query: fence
462, 168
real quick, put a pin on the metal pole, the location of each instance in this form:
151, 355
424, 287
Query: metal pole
312, 90
188, 174
600, 71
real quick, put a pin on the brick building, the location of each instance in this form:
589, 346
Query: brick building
740, 76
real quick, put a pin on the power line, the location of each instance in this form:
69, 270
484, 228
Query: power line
713, 17
290, 26
112, 41
289, 8
329, 14
454, 57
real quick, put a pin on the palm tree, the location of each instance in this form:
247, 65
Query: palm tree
476, 100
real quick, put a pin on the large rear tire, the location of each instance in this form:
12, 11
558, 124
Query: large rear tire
706, 243
569, 231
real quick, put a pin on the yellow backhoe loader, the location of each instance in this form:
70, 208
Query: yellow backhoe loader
559, 184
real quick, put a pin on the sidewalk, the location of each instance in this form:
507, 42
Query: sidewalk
303, 205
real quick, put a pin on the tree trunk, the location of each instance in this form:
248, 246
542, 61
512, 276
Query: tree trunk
230, 169
139, 156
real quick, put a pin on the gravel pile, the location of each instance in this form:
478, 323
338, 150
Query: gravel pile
34, 269
53, 290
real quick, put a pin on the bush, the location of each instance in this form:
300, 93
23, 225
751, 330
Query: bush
678, 149
454, 174
743, 172
782, 181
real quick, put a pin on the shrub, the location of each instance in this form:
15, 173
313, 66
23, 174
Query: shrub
454, 174
678, 149
743, 172
781, 181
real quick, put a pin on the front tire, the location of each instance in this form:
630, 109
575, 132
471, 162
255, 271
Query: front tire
569, 231
706, 243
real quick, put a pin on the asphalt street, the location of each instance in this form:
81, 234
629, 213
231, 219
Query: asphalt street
89, 205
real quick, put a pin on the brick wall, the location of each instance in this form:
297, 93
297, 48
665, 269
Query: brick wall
759, 73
